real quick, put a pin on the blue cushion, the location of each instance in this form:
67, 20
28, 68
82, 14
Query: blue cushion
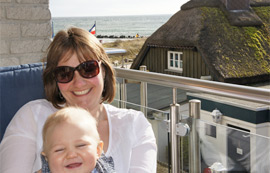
18, 85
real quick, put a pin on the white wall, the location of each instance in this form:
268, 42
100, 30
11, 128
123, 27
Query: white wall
25, 31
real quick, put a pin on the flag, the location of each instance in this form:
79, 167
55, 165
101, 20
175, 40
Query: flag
93, 29
52, 30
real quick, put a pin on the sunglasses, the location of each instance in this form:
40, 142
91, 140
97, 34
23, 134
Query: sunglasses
87, 69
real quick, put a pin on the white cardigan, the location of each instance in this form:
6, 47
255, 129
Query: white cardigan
132, 143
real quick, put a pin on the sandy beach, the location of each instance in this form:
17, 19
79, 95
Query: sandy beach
132, 46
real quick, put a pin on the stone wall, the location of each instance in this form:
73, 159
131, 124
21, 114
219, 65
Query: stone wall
25, 31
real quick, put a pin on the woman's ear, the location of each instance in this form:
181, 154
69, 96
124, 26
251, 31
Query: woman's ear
99, 148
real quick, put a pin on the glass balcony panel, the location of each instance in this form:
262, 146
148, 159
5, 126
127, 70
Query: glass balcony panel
231, 149
227, 144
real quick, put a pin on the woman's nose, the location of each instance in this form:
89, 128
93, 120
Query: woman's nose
78, 80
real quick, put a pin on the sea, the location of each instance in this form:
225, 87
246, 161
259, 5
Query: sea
128, 26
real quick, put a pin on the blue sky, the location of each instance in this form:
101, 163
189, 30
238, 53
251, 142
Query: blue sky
76, 8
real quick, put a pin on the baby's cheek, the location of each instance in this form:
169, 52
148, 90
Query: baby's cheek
55, 164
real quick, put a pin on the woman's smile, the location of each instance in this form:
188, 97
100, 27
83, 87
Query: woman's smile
80, 93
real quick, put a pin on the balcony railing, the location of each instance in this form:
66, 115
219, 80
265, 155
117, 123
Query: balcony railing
192, 137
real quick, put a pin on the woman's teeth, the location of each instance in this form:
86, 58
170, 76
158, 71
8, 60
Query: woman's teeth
81, 92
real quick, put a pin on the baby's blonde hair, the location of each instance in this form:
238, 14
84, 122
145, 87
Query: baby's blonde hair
65, 114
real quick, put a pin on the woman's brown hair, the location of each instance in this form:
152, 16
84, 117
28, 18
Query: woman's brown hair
86, 47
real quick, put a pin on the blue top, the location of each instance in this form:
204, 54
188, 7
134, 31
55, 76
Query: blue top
104, 165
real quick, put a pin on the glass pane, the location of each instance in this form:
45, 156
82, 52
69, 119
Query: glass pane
232, 149
171, 64
171, 56
222, 145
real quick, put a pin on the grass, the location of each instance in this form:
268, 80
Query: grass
131, 46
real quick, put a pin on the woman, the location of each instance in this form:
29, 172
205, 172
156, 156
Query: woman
78, 73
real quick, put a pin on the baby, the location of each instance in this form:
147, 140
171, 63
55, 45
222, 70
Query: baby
71, 143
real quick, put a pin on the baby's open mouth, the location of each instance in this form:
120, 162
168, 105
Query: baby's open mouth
73, 165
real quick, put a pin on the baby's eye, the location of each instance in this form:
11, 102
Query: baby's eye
81, 145
59, 150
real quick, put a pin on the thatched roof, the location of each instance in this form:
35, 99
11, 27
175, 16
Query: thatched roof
234, 45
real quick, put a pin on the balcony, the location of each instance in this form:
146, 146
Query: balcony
200, 125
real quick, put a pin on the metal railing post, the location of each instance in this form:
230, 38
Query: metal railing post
175, 143
123, 93
123, 62
194, 139
143, 93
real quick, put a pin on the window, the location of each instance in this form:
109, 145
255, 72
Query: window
175, 61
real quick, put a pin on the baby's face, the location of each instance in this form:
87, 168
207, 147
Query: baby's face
72, 148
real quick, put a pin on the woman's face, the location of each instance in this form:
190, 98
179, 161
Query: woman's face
80, 91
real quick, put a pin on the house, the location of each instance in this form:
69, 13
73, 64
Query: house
212, 39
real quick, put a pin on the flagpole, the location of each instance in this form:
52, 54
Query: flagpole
52, 30
96, 29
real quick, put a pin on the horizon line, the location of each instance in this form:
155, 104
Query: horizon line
113, 15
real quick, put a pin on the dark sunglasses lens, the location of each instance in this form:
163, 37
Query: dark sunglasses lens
89, 69
63, 74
